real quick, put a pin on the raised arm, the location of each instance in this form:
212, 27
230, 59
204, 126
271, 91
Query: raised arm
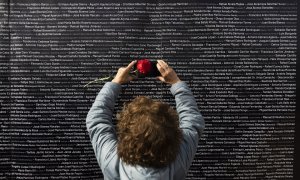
100, 127
191, 120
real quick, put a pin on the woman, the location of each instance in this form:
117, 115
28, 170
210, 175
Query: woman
152, 140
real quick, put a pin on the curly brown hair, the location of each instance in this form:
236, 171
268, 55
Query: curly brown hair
148, 133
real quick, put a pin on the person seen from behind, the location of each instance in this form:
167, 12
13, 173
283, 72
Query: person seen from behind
152, 140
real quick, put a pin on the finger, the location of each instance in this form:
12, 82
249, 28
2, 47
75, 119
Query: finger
160, 62
121, 69
130, 65
160, 78
160, 68
163, 64
132, 78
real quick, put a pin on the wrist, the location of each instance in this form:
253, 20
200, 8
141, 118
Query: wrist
175, 81
116, 81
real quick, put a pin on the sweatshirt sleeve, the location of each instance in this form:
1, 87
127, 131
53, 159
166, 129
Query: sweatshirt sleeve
101, 130
191, 122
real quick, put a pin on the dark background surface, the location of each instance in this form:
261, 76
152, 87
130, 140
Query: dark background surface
48, 55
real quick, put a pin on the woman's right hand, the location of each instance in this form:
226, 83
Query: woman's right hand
168, 75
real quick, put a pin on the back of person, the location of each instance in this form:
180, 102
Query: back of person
152, 140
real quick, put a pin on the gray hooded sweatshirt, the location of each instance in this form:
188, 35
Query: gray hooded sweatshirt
104, 139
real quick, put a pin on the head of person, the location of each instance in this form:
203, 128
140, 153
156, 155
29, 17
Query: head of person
148, 133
